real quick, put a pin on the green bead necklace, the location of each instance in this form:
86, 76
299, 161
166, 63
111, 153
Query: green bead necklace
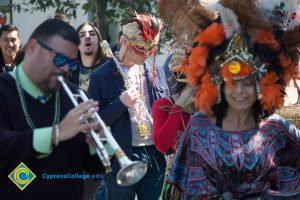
24, 104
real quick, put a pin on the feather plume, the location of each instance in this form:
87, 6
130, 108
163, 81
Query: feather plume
185, 17
250, 20
291, 40
228, 18
271, 28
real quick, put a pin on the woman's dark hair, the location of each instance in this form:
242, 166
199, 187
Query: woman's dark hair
100, 54
180, 86
177, 86
220, 109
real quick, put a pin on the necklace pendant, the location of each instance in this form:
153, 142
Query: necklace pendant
142, 129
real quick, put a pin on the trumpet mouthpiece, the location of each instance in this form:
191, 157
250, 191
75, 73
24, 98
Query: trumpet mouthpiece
60, 78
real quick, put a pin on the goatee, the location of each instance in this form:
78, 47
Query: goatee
89, 53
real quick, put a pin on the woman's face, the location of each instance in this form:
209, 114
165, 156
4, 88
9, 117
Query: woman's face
242, 95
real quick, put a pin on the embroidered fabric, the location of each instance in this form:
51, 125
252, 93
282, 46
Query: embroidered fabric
259, 161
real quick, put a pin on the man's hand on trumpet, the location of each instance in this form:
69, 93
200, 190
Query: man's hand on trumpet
130, 97
75, 121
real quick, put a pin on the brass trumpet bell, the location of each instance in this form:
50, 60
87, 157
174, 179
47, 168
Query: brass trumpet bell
131, 173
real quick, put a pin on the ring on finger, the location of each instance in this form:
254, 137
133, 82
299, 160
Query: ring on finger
81, 118
91, 111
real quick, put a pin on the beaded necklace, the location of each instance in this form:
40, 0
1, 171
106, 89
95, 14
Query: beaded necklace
24, 104
142, 127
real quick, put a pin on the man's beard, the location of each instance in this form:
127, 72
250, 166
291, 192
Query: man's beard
48, 87
88, 53
51, 84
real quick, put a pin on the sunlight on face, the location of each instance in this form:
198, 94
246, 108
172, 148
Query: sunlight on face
10, 43
242, 95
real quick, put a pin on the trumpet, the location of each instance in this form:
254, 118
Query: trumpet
131, 171
105, 45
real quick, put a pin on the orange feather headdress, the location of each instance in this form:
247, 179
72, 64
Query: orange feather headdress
237, 39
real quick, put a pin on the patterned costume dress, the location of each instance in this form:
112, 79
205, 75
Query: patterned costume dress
258, 163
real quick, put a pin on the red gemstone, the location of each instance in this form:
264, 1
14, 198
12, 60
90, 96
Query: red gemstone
293, 15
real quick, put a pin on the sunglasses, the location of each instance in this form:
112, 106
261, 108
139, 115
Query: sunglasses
60, 59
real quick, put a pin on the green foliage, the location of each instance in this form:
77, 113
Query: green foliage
116, 11
119, 10
68, 7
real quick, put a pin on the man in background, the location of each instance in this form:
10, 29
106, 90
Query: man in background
10, 43
90, 55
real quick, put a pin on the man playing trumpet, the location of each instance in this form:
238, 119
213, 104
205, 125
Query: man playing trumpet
39, 125
125, 91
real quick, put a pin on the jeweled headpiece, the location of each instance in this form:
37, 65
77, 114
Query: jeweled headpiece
247, 38
236, 57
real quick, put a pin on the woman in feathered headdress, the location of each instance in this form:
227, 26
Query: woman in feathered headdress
240, 63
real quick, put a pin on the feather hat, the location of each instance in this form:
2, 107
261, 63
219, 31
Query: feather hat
237, 39
145, 25
149, 28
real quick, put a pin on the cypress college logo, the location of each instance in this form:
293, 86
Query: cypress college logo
21, 176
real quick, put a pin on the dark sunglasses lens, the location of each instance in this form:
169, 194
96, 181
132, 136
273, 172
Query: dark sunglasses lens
73, 65
60, 60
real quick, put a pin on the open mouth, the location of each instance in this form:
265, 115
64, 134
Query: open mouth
10, 50
88, 44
